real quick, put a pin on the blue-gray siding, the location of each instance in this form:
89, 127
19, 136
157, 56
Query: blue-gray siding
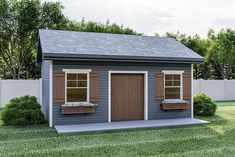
45, 87
101, 114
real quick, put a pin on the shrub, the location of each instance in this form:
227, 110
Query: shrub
22, 111
204, 105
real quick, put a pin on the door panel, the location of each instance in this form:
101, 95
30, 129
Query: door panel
127, 97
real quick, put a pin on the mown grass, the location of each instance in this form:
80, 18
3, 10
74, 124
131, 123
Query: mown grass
225, 103
214, 139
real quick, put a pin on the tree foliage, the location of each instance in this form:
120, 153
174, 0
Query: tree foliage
218, 51
19, 24
99, 27
222, 52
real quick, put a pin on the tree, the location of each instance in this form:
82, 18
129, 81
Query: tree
19, 23
200, 46
91, 26
222, 52
18, 33
52, 16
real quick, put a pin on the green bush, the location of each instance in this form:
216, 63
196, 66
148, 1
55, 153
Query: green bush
203, 105
22, 111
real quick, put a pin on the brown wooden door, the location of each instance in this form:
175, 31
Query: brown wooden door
127, 97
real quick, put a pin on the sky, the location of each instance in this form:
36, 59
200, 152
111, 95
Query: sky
156, 16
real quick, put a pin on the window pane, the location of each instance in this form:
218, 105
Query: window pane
71, 76
176, 77
176, 83
76, 83
168, 83
172, 93
77, 95
82, 83
71, 83
82, 76
168, 77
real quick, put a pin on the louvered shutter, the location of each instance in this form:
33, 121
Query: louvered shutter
186, 86
94, 87
160, 86
59, 87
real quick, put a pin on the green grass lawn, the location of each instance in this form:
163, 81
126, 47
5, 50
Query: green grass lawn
214, 139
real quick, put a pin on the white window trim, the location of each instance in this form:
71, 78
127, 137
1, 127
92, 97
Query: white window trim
181, 81
172, 72
77, 71
145, 90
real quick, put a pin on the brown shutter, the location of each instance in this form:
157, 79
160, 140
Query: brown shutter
94, 87
59, 88
160, 86
186, 86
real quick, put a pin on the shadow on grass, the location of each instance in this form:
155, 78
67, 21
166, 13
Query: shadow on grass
225, 103
214, 120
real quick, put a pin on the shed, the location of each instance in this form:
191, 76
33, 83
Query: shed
99, 77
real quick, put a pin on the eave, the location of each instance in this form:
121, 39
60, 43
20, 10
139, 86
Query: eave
108, 58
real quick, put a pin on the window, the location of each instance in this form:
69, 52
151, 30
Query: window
172, 86
77, 87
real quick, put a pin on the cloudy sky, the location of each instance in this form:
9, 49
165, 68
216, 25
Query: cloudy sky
150, 16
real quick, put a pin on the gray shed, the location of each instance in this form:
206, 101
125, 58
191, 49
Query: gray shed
100, 77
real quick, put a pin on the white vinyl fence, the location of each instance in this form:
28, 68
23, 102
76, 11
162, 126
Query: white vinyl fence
15, 88
217, 89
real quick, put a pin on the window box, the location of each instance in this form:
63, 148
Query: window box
78, 108
175, 105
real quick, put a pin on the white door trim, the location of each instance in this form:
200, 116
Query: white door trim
145, 90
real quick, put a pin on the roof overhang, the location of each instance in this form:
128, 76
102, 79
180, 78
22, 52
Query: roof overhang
112, 58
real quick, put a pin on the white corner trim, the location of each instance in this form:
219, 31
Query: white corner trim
109, 96
146, 95
145, 91
50, 93
77, 70
173, 71
181, 86
40, 93
192, 90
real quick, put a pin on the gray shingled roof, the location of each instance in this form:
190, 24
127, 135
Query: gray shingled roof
54, 43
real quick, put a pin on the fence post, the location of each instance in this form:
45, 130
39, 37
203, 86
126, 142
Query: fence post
200, 85
225, 90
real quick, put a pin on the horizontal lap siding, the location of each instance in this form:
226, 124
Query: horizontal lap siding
45, 88
101, 113
154, 110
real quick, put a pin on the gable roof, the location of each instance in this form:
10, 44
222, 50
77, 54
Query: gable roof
55, 45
